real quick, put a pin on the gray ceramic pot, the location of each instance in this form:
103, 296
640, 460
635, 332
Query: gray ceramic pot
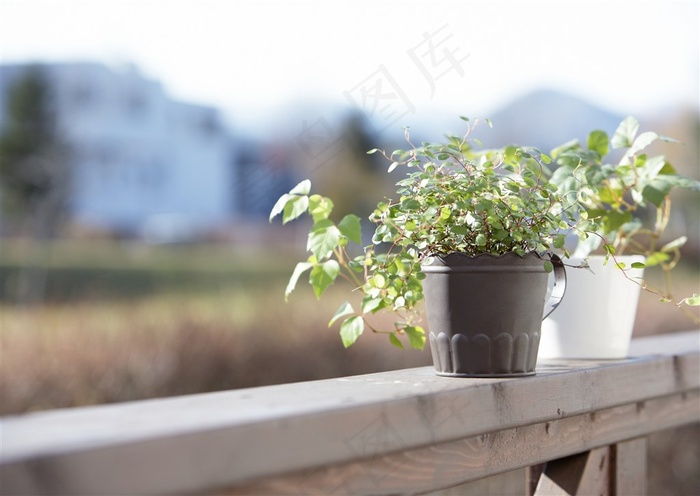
485, 312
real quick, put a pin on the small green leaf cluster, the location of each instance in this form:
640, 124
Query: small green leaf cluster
616, 197
459, 199
386, 280
453, 197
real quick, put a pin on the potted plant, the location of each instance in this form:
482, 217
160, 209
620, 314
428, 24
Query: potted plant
473, 231
624, 201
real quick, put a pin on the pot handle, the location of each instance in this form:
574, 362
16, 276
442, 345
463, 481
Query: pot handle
559, 286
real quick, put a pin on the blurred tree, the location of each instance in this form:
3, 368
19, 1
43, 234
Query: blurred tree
354, 180
34, 172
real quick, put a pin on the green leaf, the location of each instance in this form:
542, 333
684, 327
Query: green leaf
373, 150
614, 220
302, 188
372, 305
642, 141
668, 139
378, 281
656, 258
410, 204
323, 238
296, 206
350, 227
677, 181
323, 275
279, 205
393, 339
298, 271
320, 207
548, 266
598, 142
343, 310
653, 166
351, 329
693, 301
638, 265
656, 192
668, 169
416, 337
569, 145
674, 245
625, 133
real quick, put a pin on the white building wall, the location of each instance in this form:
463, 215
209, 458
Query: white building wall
142, 160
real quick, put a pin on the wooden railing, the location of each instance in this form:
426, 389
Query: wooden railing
401, 432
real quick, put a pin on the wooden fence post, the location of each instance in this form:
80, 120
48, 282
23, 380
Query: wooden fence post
630, 460
582, 474
616, 470
532, 478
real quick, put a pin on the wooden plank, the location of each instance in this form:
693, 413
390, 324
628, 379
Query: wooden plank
191, 443
630, 478
618, 470
581, 474
508, 484
532, 478
450, 464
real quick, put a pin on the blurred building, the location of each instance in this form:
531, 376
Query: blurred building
144, 164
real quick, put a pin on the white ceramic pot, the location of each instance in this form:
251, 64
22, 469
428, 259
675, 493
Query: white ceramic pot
596, 317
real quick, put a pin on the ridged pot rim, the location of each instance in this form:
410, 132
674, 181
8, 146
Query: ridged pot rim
531, 261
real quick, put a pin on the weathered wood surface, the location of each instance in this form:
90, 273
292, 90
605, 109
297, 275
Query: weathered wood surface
581, 474
449, 464
630, 458
397, 432
618, 469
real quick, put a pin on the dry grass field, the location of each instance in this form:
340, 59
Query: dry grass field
122, 324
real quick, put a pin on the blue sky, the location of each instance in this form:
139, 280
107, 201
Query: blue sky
253, 58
